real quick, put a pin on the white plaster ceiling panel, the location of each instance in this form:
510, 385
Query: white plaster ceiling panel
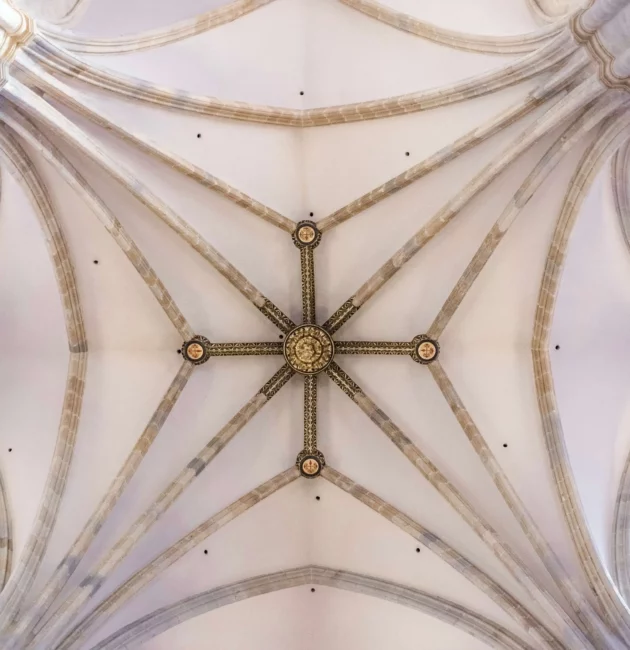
262, 161
265, 51
591, 328
108, 432
490, 360
120, 312
275, 535
55, 11
497, 17
217, 394
287, 618
272, 536
264, 448
499, 308
458, 531
28, 281
32, 393
384, 227
378, 150
353, 536
27, 435
408, 397
249, 244
363, 72
99, 18
345, 430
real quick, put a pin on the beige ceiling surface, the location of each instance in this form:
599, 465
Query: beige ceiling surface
508, 542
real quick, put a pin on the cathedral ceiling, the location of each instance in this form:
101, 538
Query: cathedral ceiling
315, 322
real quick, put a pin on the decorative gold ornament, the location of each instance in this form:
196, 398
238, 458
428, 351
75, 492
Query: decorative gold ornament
310, 467
310, 463
306, 234
309, 349
425, 350
194, 351
197, 350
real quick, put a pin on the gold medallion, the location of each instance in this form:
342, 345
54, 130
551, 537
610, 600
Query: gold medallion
427, 351
194, 351
424, 350
310, 467
309, 349
306, 234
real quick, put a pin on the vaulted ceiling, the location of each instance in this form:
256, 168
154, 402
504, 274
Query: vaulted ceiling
237, 234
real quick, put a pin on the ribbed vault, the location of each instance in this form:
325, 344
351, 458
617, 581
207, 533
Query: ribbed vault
287, 234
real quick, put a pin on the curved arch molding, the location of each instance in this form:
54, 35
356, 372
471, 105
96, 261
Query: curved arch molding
143, 629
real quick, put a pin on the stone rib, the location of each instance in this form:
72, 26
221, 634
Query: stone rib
529, 66
610, 137
140, 579
6, 537
39, 78
157, 37
63, 615
546, 91
592, 625
620, 176
585, 93
23, 575
476, 625
340, 317
58, 60
24, 170
457, 40
69, 132
588, 119
536, 629
80, 546
620, 173
34, 136
564, 626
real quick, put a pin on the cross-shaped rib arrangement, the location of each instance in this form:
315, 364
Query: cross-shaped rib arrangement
309, 348
582, 99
